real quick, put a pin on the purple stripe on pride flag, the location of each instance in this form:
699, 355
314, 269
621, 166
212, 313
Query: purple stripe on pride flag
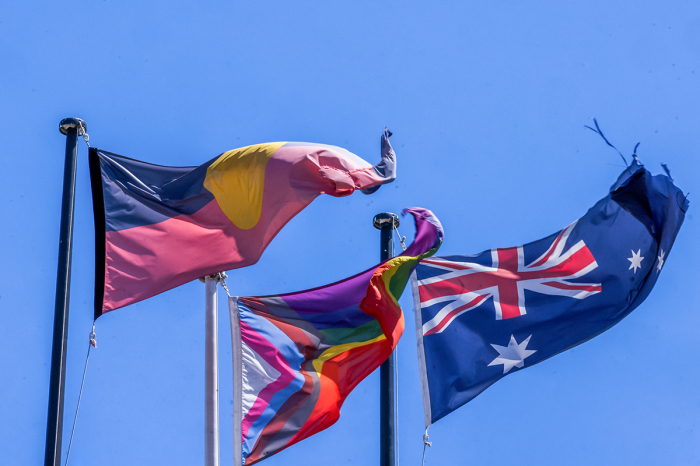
429, 231
320, 305
348, 293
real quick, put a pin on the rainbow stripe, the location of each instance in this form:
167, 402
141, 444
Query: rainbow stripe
159, 227
302, 353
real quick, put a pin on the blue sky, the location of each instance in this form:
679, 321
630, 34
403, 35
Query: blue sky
487, 102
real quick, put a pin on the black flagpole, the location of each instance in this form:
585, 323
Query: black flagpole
71, 128
386, 223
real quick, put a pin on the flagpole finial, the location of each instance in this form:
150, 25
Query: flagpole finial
219, 276
69, 123
386, 219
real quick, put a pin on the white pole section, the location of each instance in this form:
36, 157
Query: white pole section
211, 373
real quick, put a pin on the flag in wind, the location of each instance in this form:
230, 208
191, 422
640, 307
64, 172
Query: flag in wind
300, 354
159, 227
484, 316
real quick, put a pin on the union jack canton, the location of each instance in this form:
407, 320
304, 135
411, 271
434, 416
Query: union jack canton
483, 316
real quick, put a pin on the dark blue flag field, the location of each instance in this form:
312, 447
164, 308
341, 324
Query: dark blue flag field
481, 317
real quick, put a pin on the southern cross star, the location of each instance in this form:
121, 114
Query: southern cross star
512, 355
636, 260
661, 261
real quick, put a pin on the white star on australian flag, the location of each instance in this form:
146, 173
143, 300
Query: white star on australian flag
512, 355
661, 261
636, 260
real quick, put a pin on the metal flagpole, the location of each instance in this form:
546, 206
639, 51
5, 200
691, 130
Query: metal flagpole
386, 223
71, 128
237, 353
211, 371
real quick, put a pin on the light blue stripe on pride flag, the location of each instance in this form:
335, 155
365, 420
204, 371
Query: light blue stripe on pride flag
293, 359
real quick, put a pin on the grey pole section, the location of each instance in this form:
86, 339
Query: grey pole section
71, 128
211, 371
385, 223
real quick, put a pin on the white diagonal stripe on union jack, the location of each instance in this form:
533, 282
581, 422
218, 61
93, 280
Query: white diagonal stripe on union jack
466, 285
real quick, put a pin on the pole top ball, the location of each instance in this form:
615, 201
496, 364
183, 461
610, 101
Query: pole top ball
70, 123
386, 220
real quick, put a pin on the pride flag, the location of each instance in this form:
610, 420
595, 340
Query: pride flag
297, 356
159, 227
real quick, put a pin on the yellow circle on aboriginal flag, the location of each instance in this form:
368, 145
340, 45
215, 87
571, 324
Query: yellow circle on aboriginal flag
237, 181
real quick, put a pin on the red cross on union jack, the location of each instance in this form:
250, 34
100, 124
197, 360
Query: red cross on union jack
466, 285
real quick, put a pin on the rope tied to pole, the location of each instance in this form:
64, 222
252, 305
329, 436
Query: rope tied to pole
396, 400
93, 343
82, 131
402, 239
223, 285
426, 443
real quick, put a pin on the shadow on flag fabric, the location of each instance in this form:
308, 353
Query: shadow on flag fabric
159, 227
300, 354
483, 316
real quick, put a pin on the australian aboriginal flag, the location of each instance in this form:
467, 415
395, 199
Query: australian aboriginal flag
159, 227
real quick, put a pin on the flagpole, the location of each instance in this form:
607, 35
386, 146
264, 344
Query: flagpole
211, 371
70, 127
386, 222
237, 356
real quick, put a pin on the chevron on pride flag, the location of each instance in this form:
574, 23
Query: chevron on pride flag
297, 356
159, 227
483, 316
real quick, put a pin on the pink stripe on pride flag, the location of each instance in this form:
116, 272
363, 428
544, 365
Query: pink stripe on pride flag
276, 360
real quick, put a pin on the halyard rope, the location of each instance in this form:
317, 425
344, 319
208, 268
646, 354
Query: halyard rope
82, 132
92, 343
426, 443
396, 402
223, 284
401, 238
396, 362
426, 439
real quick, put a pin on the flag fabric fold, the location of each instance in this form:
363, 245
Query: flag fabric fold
159, 227
300, 354
483, 316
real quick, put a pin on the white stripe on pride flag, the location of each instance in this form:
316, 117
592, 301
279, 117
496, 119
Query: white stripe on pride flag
257, 374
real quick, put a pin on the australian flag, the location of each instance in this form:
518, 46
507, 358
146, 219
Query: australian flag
481, 317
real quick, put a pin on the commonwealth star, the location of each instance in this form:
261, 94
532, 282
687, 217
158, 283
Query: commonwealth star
512, 355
